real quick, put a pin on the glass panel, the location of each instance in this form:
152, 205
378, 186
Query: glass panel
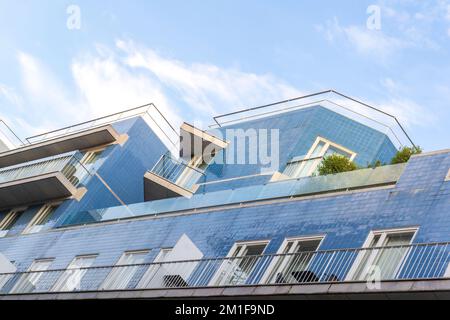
120, 277
28, 281
318, 150
293, 268
333, 150
11, 220
364, 257
46, 214
389, 259
304, 186
151, 273
244, 263
71, 278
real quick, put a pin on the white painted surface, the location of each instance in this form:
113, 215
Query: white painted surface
5, 265
184, 250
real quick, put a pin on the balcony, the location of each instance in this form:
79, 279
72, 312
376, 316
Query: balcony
38, 181
82, 136
171, 178
158, 187
399, 268
195, 142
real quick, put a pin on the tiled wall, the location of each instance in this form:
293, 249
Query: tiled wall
421, 199
121, 167
298, 131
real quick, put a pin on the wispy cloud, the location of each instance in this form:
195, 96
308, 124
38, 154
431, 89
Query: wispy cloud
111, 79
373, 43
205, 87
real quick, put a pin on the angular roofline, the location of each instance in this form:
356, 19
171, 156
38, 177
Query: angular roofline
331, 91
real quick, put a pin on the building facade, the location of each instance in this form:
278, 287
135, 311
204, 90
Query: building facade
121, 207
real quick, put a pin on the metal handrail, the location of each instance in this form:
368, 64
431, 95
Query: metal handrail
171, 169
95, 123
400, 262
68, 164
11, 131
330, 91
101, 121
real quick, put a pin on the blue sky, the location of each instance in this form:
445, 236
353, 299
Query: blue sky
197, 59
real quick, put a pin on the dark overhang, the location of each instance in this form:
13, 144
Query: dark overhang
37, 189
77, 141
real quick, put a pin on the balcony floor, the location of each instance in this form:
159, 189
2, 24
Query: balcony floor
411, 289
38, 189
76, 141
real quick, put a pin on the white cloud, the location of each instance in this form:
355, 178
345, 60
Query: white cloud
48, 102
205, 87
112, 79
109, 80
373, 43
10, 95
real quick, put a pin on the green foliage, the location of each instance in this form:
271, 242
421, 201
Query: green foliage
376, 164
336, 163
405, 154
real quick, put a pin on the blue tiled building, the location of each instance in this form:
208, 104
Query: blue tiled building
119, 206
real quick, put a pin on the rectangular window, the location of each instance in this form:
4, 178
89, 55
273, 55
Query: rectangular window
9, 221
125, 270
153, 276
71, 279
91, 157
305, 166
383, 251
29, 280
293, 267
41, 218
240, 263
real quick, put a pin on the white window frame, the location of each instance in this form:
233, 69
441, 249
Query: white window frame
447, 272
320, 156
296, 240
10, 216
89, 154
32, 278
71, 279
373, 255
229, 263
110, 282
34, 226
149, 275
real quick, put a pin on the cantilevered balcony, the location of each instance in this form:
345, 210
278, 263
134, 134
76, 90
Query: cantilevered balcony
410, 270
198, 143
89, 134
38, 181
171, 178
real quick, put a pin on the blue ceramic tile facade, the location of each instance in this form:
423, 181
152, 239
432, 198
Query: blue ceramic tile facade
420, 198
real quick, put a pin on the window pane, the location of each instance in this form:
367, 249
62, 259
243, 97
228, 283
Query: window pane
293, 268
318, 150
28, 281
120, 277
70, 280
387, 259
237, 269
